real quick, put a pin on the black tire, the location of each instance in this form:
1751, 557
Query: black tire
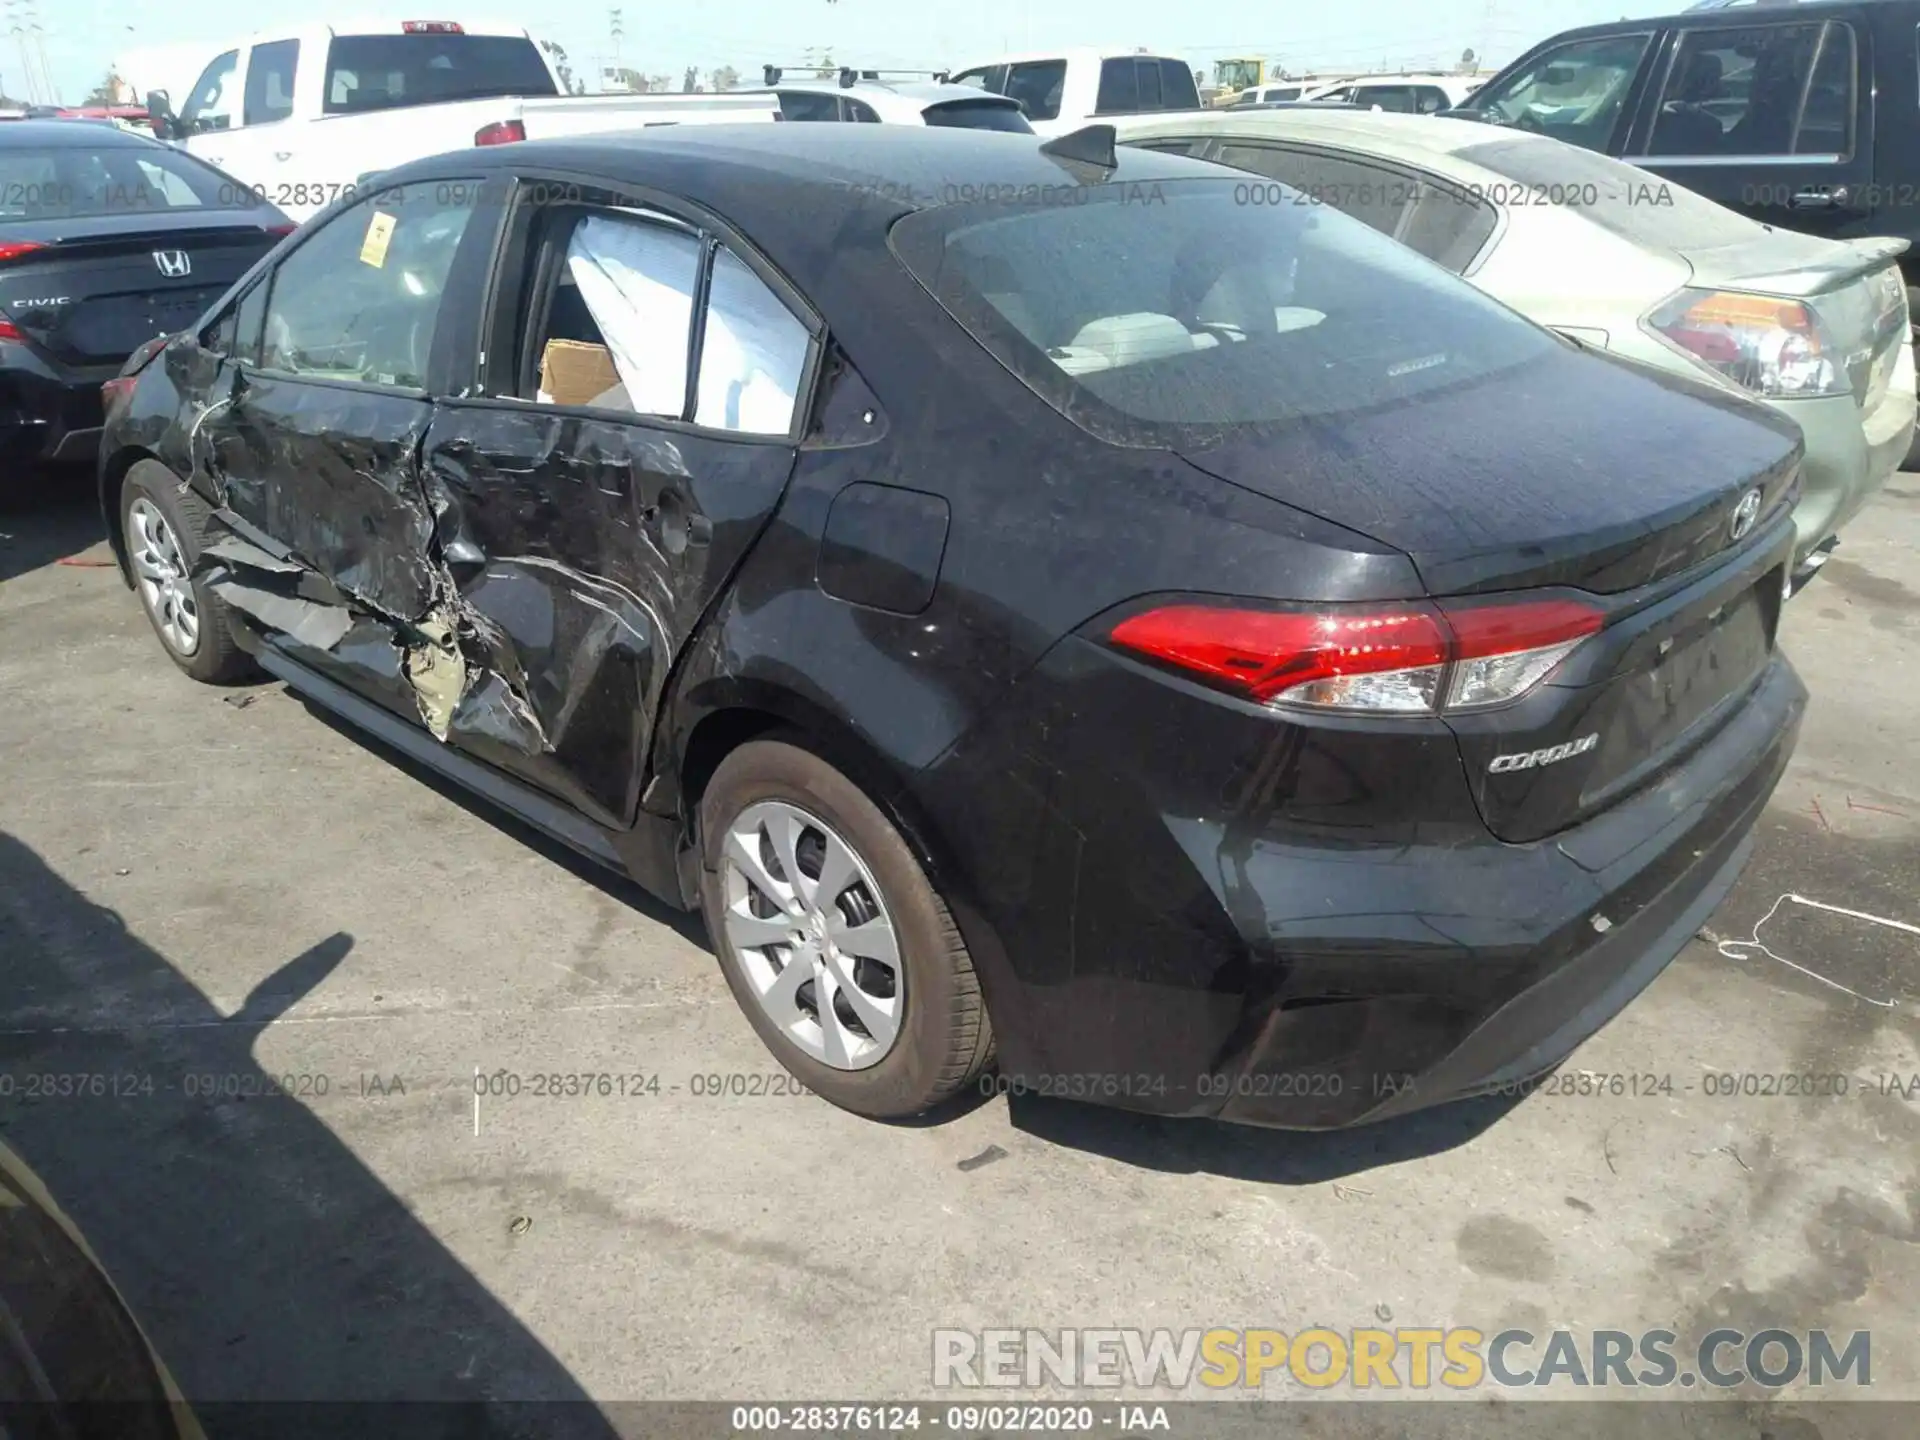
945, 1038
215, 658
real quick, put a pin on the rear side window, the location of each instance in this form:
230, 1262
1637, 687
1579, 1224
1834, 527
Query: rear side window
270, 71
1448, 226
753, 354
1758, 90
1037, 85
359, 299
378, 72
1625, 199
1574, 92
809, 105
1396, 98
1205, 315
978, 115
620, 325
622, 328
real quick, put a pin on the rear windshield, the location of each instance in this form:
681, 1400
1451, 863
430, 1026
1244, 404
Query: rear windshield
378, 72
1172, 312
62, 181
978, 115
1622, 198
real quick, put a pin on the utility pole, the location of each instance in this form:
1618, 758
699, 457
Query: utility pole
23, 23
37, 44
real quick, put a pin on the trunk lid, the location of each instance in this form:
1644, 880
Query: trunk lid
1585, 470
1671, 666
1586, 478
103, 285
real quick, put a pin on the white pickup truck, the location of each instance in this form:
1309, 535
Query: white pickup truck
301, 115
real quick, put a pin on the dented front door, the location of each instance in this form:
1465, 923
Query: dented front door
584, 551
314, 442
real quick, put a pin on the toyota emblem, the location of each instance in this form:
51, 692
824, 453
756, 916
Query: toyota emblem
1745, 513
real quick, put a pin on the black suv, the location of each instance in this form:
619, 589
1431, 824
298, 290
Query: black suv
1800, 113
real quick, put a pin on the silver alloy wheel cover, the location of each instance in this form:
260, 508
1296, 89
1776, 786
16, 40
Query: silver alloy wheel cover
161, 570
810, 938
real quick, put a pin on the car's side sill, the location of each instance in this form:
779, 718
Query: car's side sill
536, 810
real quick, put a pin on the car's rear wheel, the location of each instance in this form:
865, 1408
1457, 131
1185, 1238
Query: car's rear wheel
165, 524
833, 940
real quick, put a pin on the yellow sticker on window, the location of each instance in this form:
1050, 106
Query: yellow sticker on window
373, 250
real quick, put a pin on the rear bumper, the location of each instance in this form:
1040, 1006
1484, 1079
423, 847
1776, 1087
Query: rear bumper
1285, 974
1850, 455
49, 411
1657, 866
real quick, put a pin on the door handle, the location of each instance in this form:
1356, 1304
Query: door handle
1817, 199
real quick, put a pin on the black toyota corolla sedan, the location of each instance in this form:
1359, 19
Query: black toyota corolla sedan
1040, 608
107, 239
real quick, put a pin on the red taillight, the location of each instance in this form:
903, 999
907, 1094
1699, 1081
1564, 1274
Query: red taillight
14, 249
430, 27
1406, 659
10, 332
1264, 654
286, 229
117, 388
500, 132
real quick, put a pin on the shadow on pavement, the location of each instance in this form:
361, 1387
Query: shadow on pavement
265, 1261
1243, 1152
687, 924
44, 515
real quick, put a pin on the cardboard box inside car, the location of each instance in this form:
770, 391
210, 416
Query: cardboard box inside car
573, 372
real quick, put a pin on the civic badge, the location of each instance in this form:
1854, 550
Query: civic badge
1745, 513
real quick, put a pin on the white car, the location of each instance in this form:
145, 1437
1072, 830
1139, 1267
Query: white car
1062, 90
1615, 258
864, 96
1405, 94
299, 115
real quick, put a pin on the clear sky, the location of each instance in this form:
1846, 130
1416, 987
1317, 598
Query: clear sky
83, 36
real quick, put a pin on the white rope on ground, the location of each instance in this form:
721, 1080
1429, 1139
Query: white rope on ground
1737, 949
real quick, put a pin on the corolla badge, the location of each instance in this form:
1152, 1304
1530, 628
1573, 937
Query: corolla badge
1745, 513
1552, 755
